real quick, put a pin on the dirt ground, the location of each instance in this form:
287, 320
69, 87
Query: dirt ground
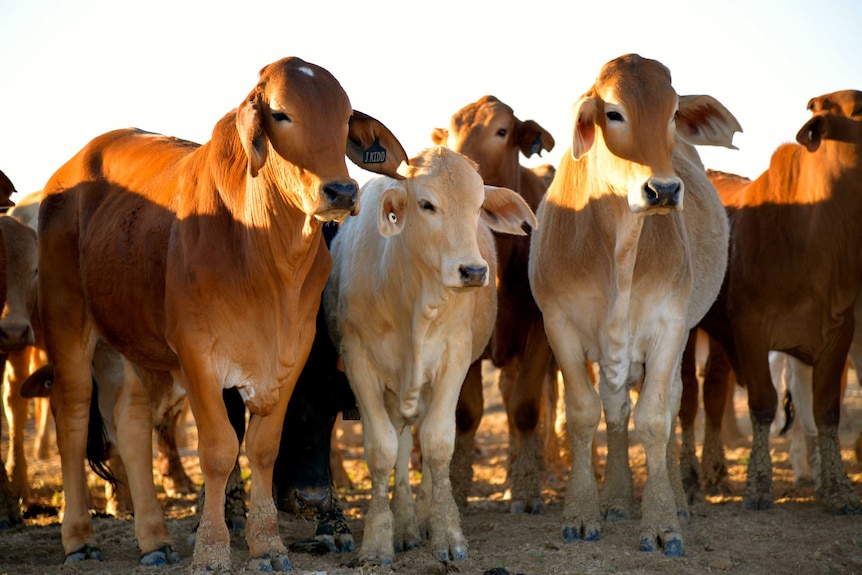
796, 537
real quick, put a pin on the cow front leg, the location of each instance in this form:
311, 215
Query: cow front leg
266, 549
581, 516
437, 436
618, 491
655, 413
406, 526
218, 448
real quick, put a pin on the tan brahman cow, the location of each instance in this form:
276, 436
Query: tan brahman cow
793, 278
18, 340
621, 273
207, 261
410, 305
488, 132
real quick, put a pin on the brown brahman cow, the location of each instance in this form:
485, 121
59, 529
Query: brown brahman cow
410, 307
207, 261
621, 273
793, 276
488, 132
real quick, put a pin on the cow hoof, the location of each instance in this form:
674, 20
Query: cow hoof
344, 543
673, 547
684, 516
458, 552
268, 563
517, 506
83, 554
384, 560
572, 534
236, 525
648, 544
848, 509
160, 557
407, 545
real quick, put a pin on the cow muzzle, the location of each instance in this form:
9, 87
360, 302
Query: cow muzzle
309, 501
15, 336
662, 193
338, 200
473, 275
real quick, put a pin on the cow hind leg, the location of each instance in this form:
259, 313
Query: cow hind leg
618, 492
688, 463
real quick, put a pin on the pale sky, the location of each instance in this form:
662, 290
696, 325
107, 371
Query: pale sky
73, 69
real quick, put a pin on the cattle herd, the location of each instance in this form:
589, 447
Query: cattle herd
241, 278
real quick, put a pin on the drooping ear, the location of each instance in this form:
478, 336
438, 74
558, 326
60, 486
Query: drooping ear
249, 124
440, 136
371, 146
704, 121
584, 114
505, 211
531, 138
813, 132
390, 215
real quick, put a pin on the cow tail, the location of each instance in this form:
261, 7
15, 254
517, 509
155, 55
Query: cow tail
97, 441
789, 413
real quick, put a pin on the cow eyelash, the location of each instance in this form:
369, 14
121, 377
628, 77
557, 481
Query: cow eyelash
426, 205
280, 117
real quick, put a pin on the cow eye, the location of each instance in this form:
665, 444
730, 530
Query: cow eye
427, 206
502, 132
280, 117
614, 116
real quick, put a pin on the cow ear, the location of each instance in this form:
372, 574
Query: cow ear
390, 217
440, 136
812, 133
249, 124
507, 212
704, 121
584, 114
531, 138
371, 146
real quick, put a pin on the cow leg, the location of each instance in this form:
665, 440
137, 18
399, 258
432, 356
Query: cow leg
523, 410
405, 527
10, 512
762, 403
803, 453
266, 549
168, 402
618, 490
218, 449
834, 489
70, 402
468, 415
437, 437
381, 448
134, 418
656, 410
716, 382
17, 412
688, 463
42, 442
581, 517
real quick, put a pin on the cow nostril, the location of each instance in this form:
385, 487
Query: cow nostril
473, 275
340, 194
662, 192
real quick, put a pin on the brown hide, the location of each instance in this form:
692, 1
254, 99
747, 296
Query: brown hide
794, 270
208, 261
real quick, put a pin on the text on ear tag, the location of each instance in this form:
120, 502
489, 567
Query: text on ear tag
375, 153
